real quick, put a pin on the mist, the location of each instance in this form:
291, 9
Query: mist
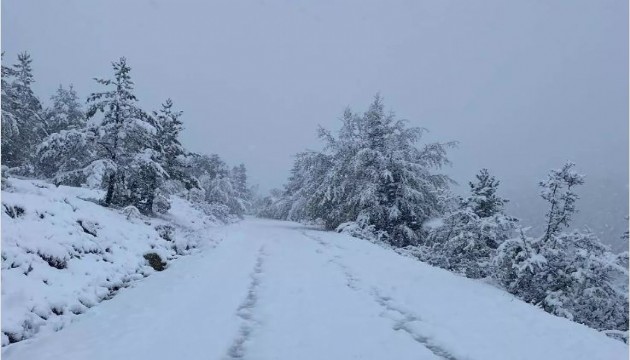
522, 86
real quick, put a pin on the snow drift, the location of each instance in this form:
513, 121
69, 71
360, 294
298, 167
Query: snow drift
63, 253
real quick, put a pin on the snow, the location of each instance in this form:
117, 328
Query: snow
62, 253
433, 223
263, 289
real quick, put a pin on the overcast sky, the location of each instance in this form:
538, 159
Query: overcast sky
522, 85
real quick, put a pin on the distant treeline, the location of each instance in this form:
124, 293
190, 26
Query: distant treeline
134, 155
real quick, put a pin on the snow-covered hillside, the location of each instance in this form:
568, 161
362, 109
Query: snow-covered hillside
279, 290
62, 253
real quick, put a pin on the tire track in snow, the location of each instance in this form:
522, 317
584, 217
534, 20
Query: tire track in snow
351, 280
245, 311
317, 239
404, 322
403, 319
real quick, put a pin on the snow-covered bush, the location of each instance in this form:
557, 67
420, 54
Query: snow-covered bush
62, 156
131, 212
569, 274
572, 276
465, 240
216, 211
220, 192
173, 187
362, 229
225, 192
161, 203
166, 232
4, 177
467, 243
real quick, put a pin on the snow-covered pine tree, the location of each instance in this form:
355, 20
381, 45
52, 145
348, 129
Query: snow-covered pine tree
23, 124
483, 198
557, 190
239, 179
220, 190
169, 127
216, 183
516, 265
10, 123
379, 177
469, 236
69, 147
520, 262
65, 158
575, 277
299, 200
198, 165
568, 274
238, 176
66, 112
127, 141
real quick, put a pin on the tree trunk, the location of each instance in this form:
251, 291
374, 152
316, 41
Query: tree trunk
110, 189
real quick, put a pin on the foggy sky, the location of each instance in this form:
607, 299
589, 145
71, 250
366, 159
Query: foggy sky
522, 85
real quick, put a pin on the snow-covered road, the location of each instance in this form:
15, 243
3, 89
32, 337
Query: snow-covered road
266, 289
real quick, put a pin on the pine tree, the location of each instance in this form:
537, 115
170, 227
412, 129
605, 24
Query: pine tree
568, 274
169, 127
66, 112
65, 157
198, 165
483, 198
10, 123
574, 277
298, 200
127, 140
23, 125
379, 176
470, 234
238, 176
239, 179
69, 147
557, 190
222, 193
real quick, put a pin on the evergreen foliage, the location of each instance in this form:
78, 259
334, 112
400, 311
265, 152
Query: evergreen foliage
169, 127
136, 157
372, 175
65, 156
242, 194
23, 125
569, 274
557, 190
66, 112
126, 138
467, 240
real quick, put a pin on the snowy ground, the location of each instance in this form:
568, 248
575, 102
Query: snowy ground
265, 289
62, 253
